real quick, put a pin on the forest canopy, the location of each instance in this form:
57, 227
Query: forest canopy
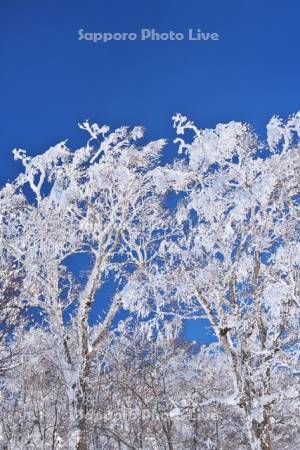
82, 370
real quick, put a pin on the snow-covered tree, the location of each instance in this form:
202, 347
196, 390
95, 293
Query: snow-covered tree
239, 256
99, 201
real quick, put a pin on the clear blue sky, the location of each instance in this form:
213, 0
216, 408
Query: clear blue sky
49, 80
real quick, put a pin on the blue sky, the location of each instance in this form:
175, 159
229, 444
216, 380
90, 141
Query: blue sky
50, 81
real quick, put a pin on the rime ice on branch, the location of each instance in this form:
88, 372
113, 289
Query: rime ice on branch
228, 251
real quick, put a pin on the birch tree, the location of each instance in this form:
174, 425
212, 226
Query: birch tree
99, 201
238, 259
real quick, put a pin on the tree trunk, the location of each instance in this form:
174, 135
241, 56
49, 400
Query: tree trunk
263, 432
82, 409
259, 432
